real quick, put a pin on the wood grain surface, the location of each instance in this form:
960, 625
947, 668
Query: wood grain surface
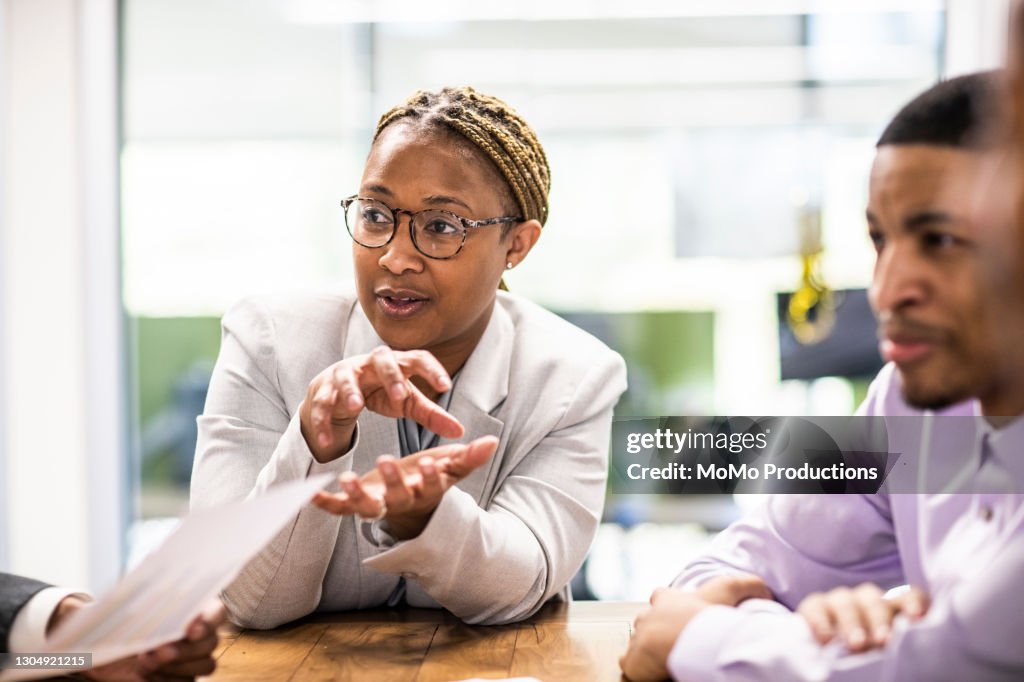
563, 642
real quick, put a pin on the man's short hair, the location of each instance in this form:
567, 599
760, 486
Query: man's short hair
952, 113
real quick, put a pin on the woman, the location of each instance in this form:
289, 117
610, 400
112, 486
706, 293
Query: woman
454, 192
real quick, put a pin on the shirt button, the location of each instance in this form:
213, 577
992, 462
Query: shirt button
986, 513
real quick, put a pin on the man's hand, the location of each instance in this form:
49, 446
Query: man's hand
655, 633
407, 490
178, 661
861, 617
732, 590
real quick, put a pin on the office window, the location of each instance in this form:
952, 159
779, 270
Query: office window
688, 140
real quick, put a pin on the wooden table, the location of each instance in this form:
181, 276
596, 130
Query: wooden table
578, 641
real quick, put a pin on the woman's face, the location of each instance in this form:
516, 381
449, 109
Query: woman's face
415, 302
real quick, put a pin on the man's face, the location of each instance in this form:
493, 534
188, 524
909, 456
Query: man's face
932, 315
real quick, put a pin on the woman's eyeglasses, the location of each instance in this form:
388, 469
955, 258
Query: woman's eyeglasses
435, 233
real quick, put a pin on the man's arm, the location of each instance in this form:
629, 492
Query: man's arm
15, 594
801, 544
970, 632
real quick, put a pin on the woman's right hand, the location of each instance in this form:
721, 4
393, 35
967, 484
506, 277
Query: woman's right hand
379, 381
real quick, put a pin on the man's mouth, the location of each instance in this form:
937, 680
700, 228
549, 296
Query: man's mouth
905, 351
400, 303
905, 344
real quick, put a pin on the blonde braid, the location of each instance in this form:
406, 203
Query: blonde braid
495, 129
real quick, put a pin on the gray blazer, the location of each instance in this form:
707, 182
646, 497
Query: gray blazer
507, 539
15, 592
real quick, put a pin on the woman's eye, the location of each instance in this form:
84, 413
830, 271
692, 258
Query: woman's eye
442, 228
371, 215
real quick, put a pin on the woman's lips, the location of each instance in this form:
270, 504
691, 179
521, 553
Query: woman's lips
400, 307
905, 351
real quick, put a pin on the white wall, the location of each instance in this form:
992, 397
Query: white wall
62, 398
976, 32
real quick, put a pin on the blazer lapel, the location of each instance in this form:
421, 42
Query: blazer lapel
480, 389
378, 435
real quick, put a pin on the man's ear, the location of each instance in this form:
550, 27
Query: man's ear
520, 240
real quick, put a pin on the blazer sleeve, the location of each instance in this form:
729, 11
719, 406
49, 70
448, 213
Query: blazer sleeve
531, 539
247, 442
15, 592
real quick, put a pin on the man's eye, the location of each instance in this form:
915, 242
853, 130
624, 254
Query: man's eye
940, 240
878, 240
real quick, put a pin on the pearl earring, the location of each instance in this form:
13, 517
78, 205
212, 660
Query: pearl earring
508, 266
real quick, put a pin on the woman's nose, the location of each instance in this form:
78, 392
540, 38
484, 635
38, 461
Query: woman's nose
400, 255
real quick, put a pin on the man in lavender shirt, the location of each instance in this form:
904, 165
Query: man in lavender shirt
964, 552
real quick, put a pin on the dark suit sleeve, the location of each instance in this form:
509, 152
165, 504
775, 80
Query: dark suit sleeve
15, 592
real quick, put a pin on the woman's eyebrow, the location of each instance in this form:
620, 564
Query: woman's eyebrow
437, 199
378, 189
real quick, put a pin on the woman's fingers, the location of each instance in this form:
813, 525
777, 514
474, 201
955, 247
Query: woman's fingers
390, 370
335, 503
363, 503
349, 396
426, 412
398, 492
321, 409
353, 498
470, 456
389, 374
423, 364
432, 486
333, 402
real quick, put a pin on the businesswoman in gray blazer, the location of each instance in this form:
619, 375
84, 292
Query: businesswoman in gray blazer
495, 520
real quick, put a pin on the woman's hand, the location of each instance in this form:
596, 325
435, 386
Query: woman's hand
379, 381
861, 617
407, 491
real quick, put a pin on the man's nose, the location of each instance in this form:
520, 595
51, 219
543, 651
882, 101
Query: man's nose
899, 281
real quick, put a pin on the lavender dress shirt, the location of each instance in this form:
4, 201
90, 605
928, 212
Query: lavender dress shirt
964, 548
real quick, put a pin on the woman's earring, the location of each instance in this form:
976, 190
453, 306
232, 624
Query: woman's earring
508, 266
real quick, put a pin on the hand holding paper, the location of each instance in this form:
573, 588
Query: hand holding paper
157, 602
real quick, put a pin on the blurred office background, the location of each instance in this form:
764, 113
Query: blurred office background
164, 158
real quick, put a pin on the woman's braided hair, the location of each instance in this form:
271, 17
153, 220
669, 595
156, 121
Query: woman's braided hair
494, 128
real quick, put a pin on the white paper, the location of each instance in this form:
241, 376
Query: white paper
155, 603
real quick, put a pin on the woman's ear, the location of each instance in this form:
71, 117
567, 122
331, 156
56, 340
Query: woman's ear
520, 240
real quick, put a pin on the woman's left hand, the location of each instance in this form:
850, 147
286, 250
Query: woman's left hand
406, 491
